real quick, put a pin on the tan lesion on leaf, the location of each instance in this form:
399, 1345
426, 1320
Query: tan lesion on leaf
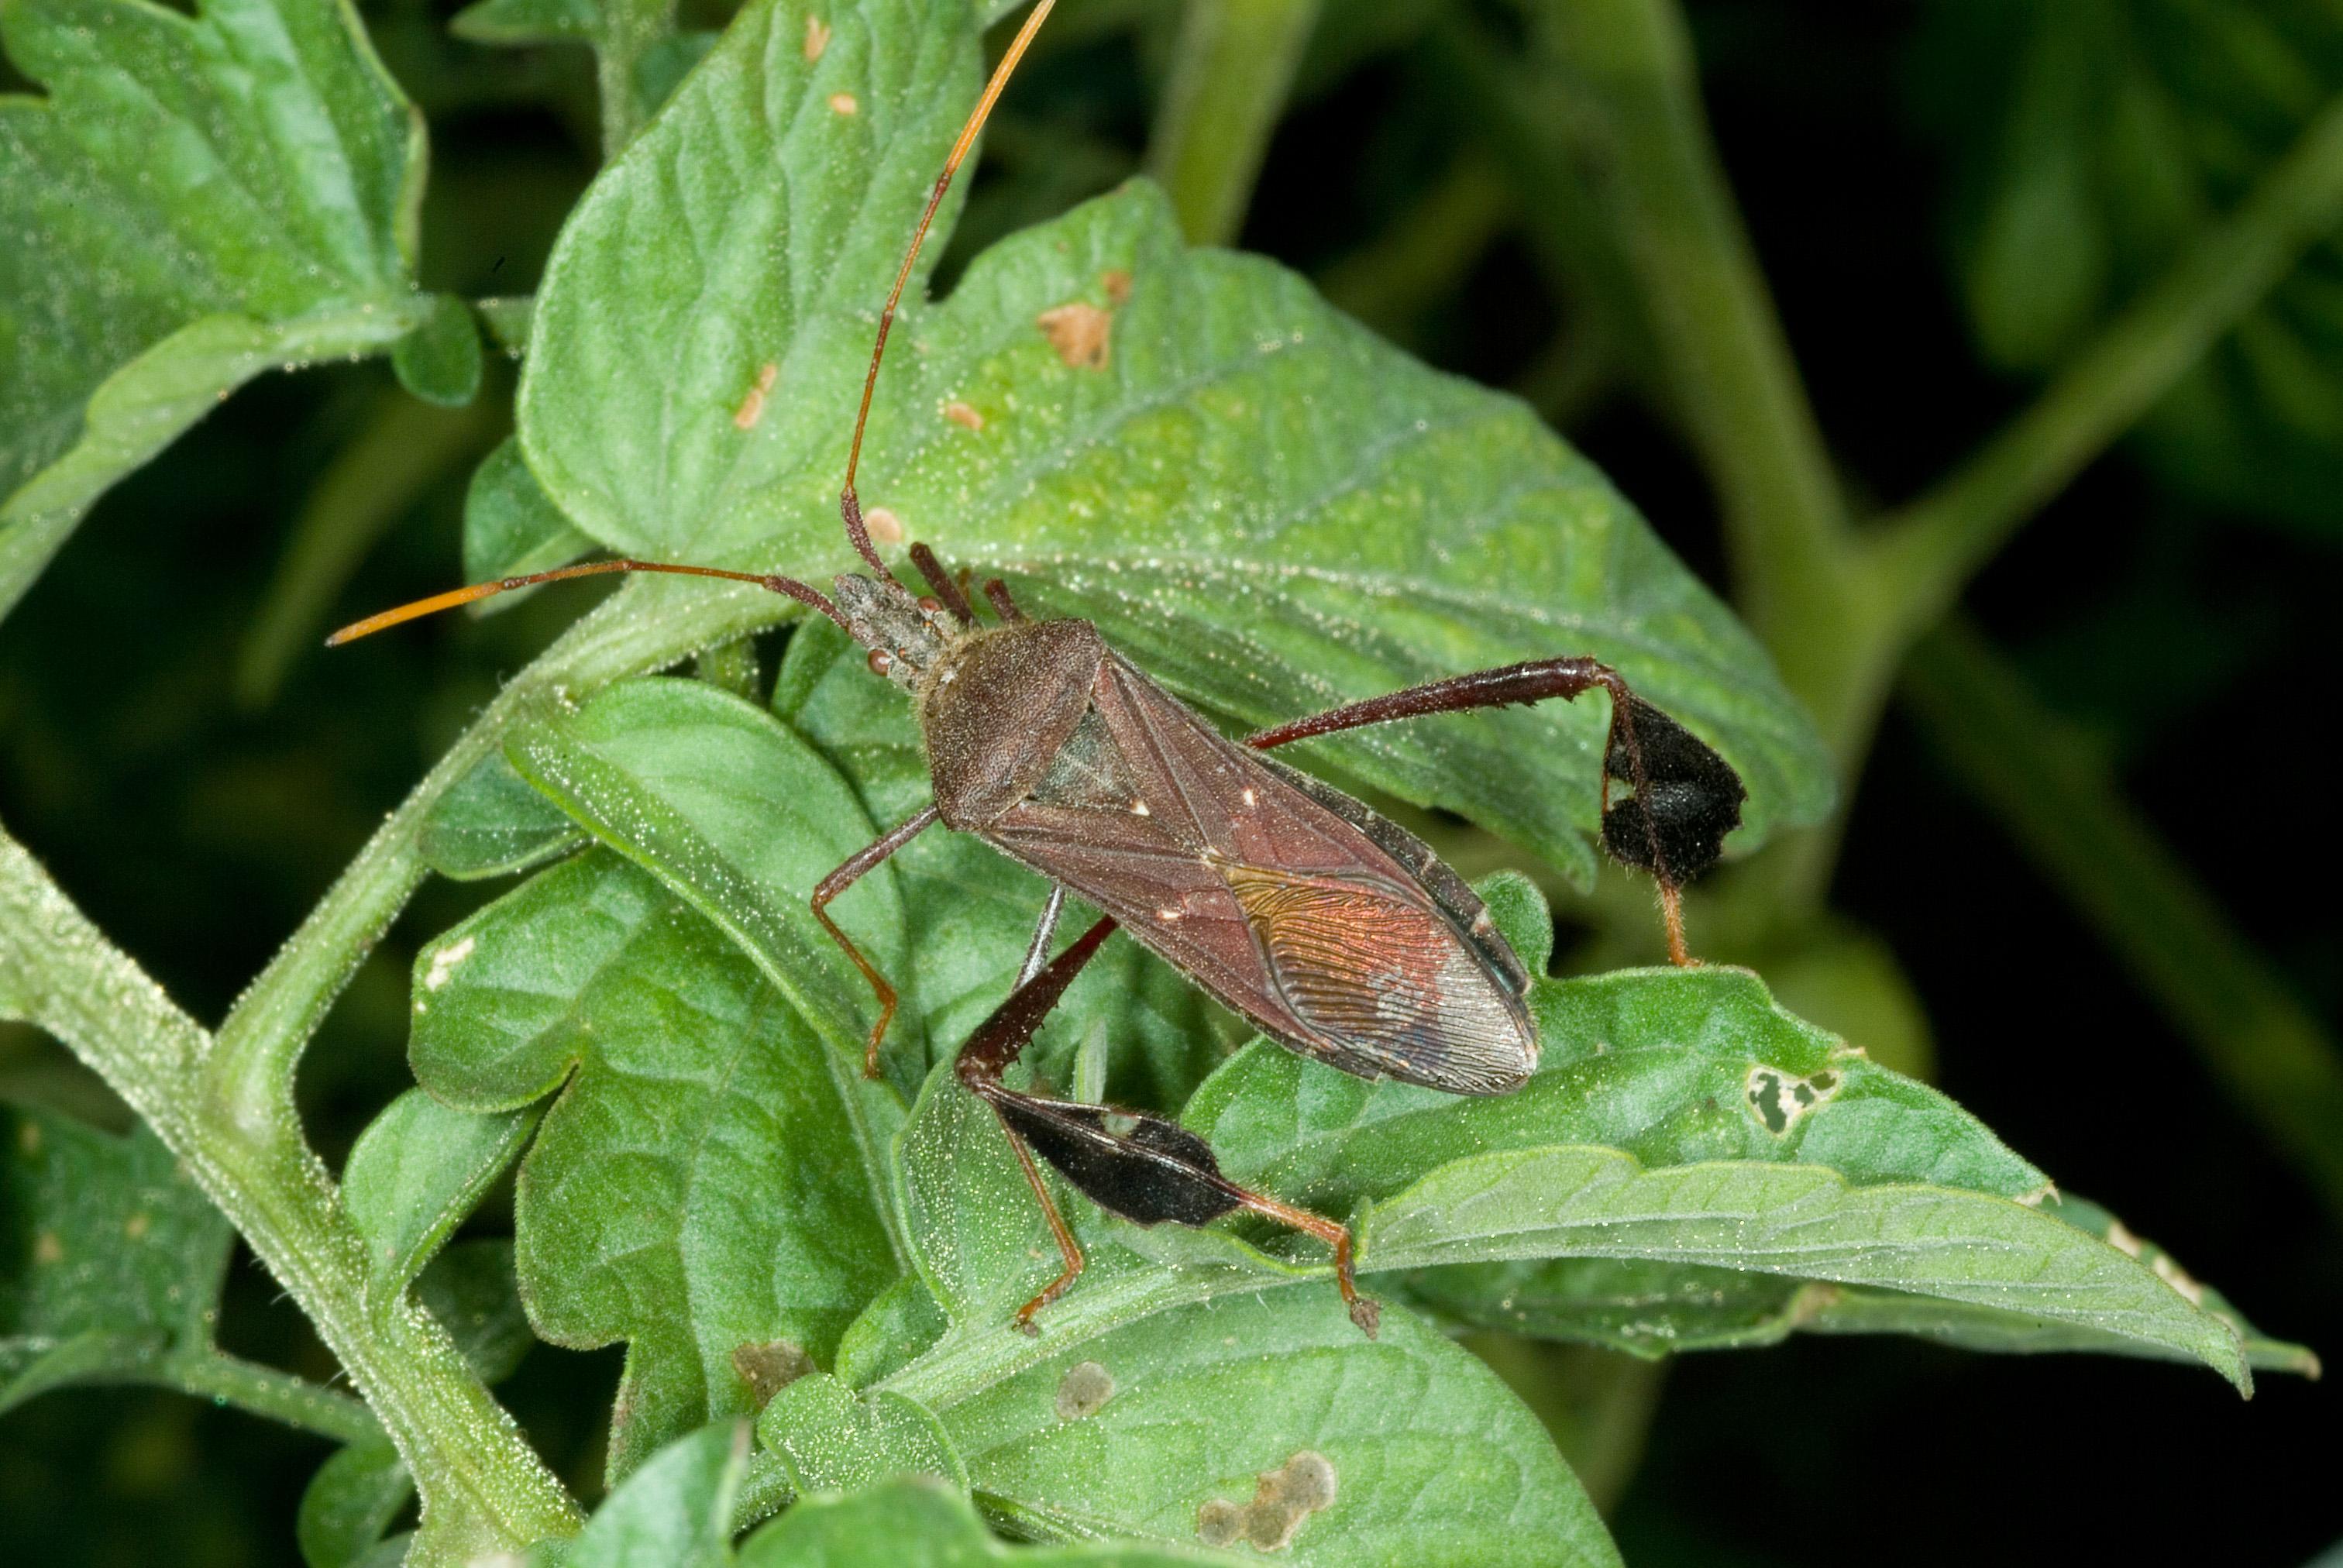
1079, 332
752, 402
1282, 1500
769, 1367
963, 415
884, 525
844, 103
47, 1248
817, 37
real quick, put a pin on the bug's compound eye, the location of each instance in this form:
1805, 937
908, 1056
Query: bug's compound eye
881, 661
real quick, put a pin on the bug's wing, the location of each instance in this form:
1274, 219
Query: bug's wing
1279, 907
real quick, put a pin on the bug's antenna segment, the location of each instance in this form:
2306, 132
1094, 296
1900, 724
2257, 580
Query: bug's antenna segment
462, 596
849, 505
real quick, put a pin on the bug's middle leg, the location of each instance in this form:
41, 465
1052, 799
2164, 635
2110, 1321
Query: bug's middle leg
1142, 1168
845, 877
1687, 797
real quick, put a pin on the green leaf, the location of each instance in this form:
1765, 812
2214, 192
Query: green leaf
674, 1512
492, 822
736, 814
1803, 1221
969, 911
706, 1180
414, 1174
1159, 1395
829, 1438
110, 1259
349, 1502
916, 1523
2091, 144
440, 361
197, 199
1237, 493
511, 528
1670, 1065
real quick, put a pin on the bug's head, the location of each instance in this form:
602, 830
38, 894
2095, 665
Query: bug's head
903, 632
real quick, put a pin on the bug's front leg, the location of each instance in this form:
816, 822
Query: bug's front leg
1687, 799
1142, 1168
845, 877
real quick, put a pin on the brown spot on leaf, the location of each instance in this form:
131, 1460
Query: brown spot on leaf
770, 1367
1078, 332
1282, 1499
844, 103
817, 36
47, 1248
752, 404
884, 525
961, 414
1117, 284
1085, 1387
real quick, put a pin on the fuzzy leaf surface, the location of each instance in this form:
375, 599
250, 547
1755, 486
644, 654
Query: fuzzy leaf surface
110, 1259
705, 1181
197, 199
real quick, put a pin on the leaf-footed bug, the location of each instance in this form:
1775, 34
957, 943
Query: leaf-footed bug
1332, 930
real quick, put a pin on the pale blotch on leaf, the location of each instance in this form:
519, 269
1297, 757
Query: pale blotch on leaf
885, 527
137, 1225
961, 414
1078, 332
843, 104
1781, 1101
1281, 1499
769, 1368
752, 404
444, 962
1085, 1387
28, 1138
817, 36
47, 1248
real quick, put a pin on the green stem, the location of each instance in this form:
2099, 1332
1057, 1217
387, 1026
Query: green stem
1939, 541
2047, 787
279, 1396
1232, 68
1421, 256
484, 1488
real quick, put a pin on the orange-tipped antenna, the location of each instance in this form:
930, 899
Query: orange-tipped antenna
454, 596
849, 505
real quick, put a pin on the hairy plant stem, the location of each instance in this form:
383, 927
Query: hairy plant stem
1841, 609
280, 1396
1231, 69
225, 1104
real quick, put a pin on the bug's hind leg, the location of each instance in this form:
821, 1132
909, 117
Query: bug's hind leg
1687, 799
1139, 1167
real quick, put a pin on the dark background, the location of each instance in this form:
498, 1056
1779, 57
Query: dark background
2193, 636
